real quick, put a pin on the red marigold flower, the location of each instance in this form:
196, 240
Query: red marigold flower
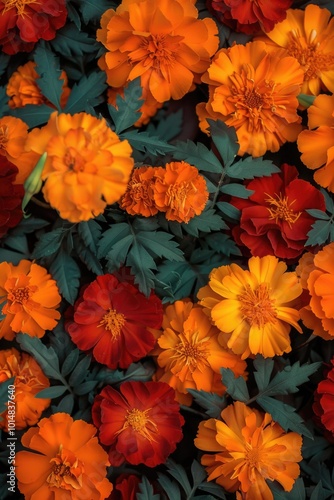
249, 16
125, 487
324, 400
24, 22
274, 220
10, 196
141, 424
114, 320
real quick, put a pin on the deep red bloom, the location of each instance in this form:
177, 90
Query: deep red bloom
141, 424
114, 319
125, 487
24, 22
249, 16
323, 405
10, 196
273, 219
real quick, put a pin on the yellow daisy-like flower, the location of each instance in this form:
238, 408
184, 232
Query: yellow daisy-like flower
254, 309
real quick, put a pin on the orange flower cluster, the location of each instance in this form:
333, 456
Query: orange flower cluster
249, 449
29, 380
178, 190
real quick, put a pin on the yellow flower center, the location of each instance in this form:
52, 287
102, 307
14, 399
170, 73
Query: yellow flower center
113, 321
19, 5
191, 354
141, 423
66, 471
156, 50
256, 306
308, 54
3, 137
280, 209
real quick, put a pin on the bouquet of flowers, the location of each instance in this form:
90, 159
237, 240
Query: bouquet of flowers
167, 249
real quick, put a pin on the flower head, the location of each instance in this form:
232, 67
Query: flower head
139, 196
11, 196
162, 42
29, 380
273, 219
253, 308
324, 398
114, 320
64, 461
249, 449
30, 298
87, 165
255, 91
141, 424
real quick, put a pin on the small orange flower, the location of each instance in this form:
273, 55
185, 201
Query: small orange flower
139, 196
69, 463
254, 90
189, 352
87, 165
162, 42
180, 191
29, 380
30, 299
22, 87
248, 449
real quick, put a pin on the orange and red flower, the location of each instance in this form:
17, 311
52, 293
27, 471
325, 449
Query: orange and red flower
141, 423
64, 461
11, 196
324, 400
29, 380
30, 297
114, 320
273, 219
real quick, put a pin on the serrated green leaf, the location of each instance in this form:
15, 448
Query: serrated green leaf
236, 190
287, 380
71, 41
170, 487
116, 233
264, 368
92, 10
141, 264
206, 222
4, 393
72, 15
30, 225
70, 362
329, 202
249, 168
160, 244
87, 257
144, 142
33, 116
198, 155
229, 210
51, 392
90, 232
48, 244
222, 243
225, 140
236, 387
80, 371
86, 93
66, 272
212, 403
317, 214
126, 111
319, 233
146, 490
48, 68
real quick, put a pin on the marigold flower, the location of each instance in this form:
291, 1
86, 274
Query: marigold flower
69, 462
273, 219
30, 299
180, 191
189, 352
24, 22
318, 279
248, 448
10, 196
317, 146
115, 320
255, 91
162, 42
22, 87
308, 36
141, 424
87, 165
126, 487
253, 308
139, 195
29, 380
323, 400
249, 16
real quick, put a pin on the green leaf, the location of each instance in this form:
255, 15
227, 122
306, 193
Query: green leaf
168, 127
209, 401
317, 214
306, 100
328, 200
198, 473
206, 222
85, 387
198, 155
264, 368
66, 272
70, 362
236, 190
160, 244
71, 42
180, 475
86, 93
48, 68
51, 392
30, 225
90, 232
49, 243
213, 488
80, 371
236, 387
287, 380
222, 243
126, 111
65, 405
297, 493
4, 108
92, 10
144, 142
229, 210
146, 490
318, 492
33, 116
249, 168
319, 233
87, 257
225, 140
4, 393
169, 486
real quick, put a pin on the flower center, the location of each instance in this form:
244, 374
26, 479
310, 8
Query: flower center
307, 53
252, 456
280, 209
177, 195
19, 5
66, 472
74, 161
156, 50
113, 321
191, 354
256, 306
20, 295
141, 423
3, 137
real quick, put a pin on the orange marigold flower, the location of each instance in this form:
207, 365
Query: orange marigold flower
30, 299
87, 165
65, 461
247, 449
139, 196
317, 146
253, 308
162, 42
189, 352
29, 380
180, 191
317, 277
308, 36
254, 90
141, 424
22, 87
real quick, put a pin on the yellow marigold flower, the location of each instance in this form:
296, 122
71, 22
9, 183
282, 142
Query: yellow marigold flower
29, 380
189, 352
253, 308
254, 90
30, 297
248, 448
162, 42
308, 35
87, 165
